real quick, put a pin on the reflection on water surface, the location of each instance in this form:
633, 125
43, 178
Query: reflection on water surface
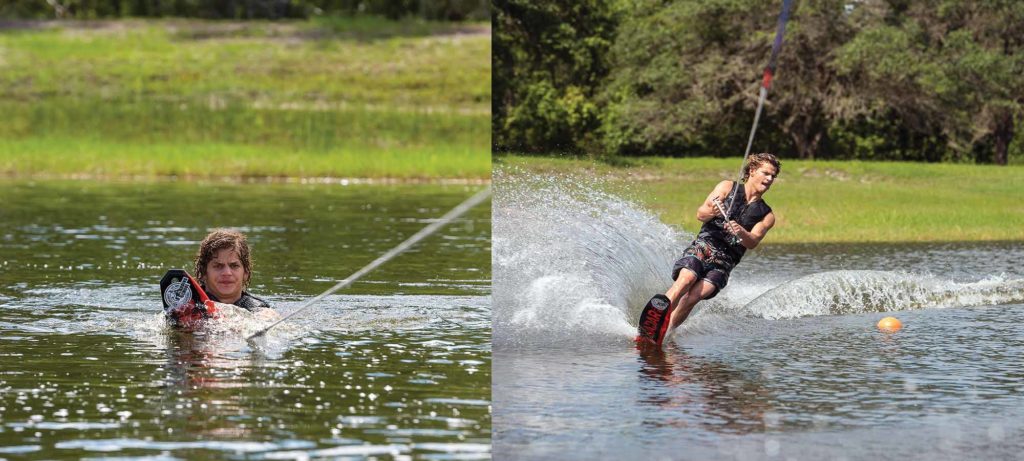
398, 365
785, 363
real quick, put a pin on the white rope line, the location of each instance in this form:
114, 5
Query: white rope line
459, 210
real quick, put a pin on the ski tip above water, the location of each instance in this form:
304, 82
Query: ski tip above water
654, 320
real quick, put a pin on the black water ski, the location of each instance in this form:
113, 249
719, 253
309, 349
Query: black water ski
654, 321
183, 298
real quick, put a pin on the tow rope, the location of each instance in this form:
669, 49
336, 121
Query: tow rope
423, 233
766, 82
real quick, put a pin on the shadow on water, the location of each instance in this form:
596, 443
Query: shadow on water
200, 371
194, 356
688, 391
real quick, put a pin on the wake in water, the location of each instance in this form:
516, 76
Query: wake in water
569, 259
572, 263
125, 310
852, 292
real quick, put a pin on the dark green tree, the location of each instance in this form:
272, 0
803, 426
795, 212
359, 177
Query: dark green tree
549, 60
983, 46
947, 71
686, 76
677, 77
447, 10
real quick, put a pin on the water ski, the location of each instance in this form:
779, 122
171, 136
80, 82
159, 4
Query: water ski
654, 321
185, 302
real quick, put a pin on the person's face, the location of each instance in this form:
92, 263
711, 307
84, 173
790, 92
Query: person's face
225, 275
763, 177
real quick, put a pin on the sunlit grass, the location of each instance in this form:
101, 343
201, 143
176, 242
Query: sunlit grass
827, 201
302, 94
79, 157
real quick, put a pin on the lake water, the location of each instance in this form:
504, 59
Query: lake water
785, 363
399, 365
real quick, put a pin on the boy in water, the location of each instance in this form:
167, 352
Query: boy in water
723, 239
223, 268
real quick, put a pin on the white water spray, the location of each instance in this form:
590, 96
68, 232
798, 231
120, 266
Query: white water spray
572, 262
858, 291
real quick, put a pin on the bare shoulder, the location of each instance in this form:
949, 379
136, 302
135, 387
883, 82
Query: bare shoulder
722, 188
726, 184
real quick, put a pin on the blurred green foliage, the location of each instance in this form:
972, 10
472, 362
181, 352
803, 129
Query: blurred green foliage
932, 80
443, 10
550, 59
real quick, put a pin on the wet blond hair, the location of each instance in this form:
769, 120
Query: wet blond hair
223, 239
756, 161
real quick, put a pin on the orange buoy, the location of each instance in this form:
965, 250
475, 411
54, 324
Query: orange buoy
890, 324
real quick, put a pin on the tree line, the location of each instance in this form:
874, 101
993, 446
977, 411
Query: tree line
922, 80
443, 10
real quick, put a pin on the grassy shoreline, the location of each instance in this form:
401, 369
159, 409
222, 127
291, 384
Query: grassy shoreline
79, 158
339, 97
824, 202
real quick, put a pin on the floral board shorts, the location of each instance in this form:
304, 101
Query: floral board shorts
707, 262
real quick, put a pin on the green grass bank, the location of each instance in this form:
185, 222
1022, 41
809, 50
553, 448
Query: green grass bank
338, 97
824, 201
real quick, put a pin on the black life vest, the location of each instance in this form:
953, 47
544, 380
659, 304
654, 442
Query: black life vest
246, 301
746, 214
